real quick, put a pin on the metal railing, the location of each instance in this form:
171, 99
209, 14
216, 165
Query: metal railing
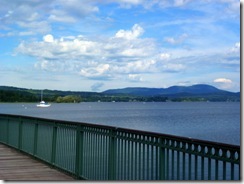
97, 152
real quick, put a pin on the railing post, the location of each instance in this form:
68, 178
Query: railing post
35, 139
7, 138
54, 144
162, 159
79, 152
20, 133
112, 155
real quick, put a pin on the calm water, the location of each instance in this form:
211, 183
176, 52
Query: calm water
209, 121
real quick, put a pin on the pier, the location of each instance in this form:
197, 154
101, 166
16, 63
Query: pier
97, 152
16, 166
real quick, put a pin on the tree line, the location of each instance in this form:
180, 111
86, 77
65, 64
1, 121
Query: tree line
24, 95
20, 96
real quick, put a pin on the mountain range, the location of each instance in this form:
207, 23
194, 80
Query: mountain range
195, 89
200, 92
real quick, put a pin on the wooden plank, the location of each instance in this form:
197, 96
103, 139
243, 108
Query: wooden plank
15, 166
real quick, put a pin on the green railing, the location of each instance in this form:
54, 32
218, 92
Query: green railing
97, 152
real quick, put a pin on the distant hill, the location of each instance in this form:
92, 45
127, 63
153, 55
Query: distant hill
195, 89
179, 93
135, 91
200, 92
14, 94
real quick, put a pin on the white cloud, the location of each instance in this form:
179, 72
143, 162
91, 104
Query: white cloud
181, 2
48, 38
222, 80
237, 45
236, 48
127, 3
173, 67
38, 16
100, 71
58, 16
224, 83
37, 27
132, 1
127, 47
130, 34
141, 66
74, 9
95, 57
177, 40
164, 56
104, 58
135, 78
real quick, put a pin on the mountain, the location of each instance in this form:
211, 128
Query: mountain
195, 92
200, 92
195, 89
139, 91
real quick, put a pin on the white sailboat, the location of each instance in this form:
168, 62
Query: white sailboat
43, 103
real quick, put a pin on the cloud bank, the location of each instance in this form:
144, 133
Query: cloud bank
124, 53
137, 42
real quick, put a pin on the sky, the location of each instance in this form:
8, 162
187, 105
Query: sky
95, 45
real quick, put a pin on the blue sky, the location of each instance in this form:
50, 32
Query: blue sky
94, 45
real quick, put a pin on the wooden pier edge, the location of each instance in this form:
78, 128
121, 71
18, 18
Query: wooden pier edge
16, 165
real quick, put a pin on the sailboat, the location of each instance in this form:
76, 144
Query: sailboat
43, 103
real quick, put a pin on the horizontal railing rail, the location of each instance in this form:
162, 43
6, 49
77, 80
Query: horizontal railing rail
98, 152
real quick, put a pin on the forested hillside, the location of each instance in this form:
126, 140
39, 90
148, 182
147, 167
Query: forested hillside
174, 93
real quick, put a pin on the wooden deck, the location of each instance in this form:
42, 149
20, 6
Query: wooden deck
17, 166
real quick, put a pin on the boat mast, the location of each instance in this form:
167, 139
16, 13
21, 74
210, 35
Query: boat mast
41, 94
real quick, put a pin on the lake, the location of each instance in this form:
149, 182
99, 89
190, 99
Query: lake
214, 121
